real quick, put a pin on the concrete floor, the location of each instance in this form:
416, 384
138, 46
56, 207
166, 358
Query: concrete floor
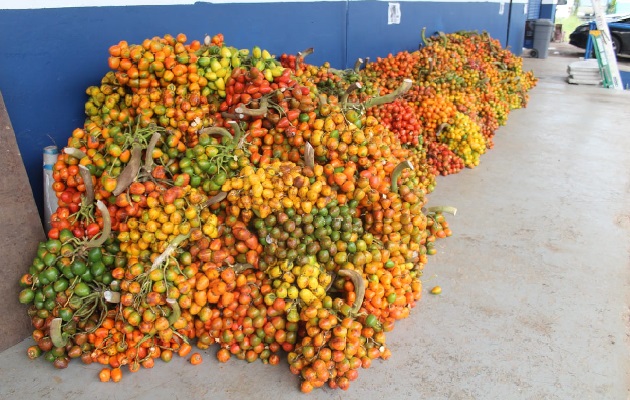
535, 301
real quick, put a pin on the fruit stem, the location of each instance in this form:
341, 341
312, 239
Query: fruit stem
388, 98
351, 88
259, 112
169, 250
359, 288
239, 268
442, 126
357, 64
300, 57
128, 175
217, 198
89, 188
216, 130
107, 227
306, 52
309, 155
56, 336
76, 153
396, 174
444, 38
148, 157
442, 209
238, 132
423, 35
111, 297
228, 115
177, 312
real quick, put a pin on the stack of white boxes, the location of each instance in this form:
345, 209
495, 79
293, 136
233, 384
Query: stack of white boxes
584, 72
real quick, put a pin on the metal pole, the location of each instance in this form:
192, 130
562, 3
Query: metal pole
507, 37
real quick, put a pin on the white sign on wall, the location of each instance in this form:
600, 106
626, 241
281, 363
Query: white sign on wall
393, 13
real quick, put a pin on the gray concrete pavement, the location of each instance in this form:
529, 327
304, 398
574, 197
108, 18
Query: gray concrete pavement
541, 299
535, 279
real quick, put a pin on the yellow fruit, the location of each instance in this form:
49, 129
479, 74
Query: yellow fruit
275, 272
215, 65
220, 84
282, 292
226, 52
268, 75
302, 281
320, 292
308, 270
313, 283
221, 72
293, 293
277, 71
307, 296
288, 277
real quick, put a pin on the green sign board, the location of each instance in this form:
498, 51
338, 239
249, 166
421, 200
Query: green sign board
602, 59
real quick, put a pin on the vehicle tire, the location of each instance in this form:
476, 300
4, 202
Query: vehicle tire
533, 53
616, 45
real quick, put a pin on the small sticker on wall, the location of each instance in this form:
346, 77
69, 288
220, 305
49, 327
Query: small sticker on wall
501, 8
393, 14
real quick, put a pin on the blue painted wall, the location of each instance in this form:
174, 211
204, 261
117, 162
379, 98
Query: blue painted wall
370, 35
48, 57
548, 11
517, 28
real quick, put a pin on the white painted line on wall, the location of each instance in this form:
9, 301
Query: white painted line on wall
42, 4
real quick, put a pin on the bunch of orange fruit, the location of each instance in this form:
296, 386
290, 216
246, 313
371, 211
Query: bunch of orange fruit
213, 196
